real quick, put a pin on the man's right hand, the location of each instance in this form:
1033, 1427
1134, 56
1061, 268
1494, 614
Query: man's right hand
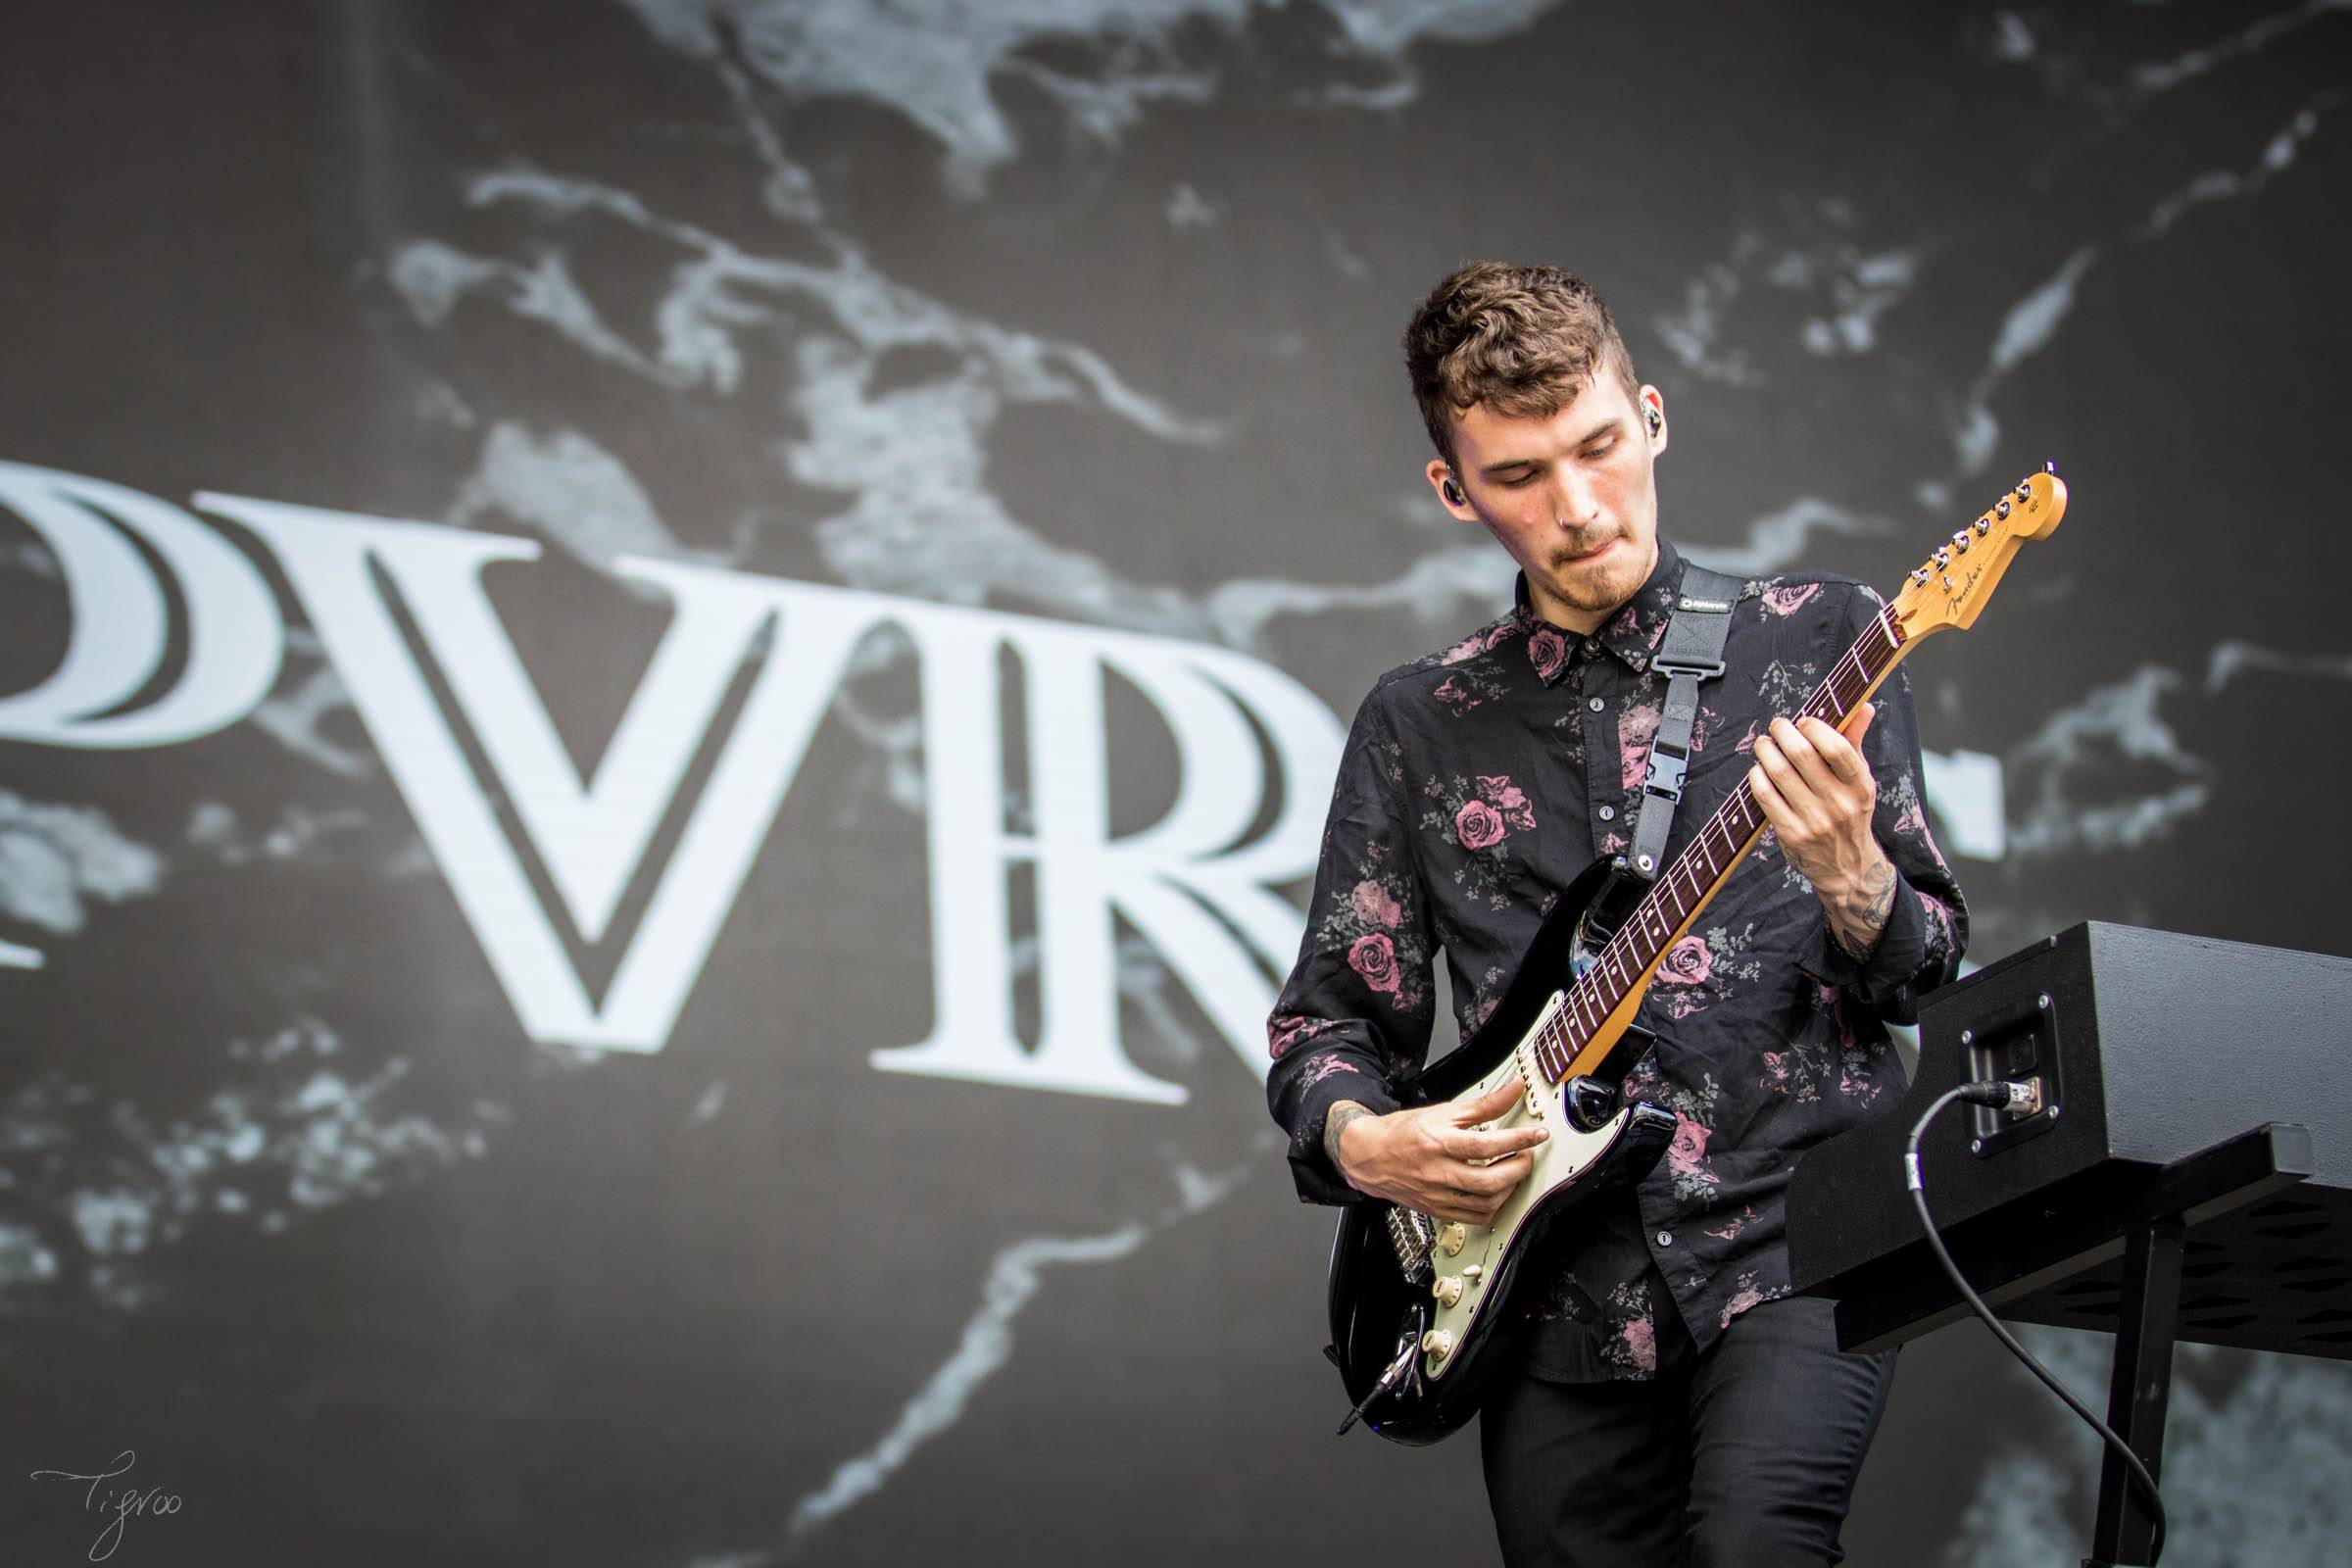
1433, 1158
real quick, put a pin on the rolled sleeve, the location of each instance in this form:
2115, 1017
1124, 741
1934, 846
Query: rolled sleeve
1927, 925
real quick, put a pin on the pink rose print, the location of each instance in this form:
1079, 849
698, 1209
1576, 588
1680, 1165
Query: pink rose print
1507, 798
1745, 1296
1375, 960
1477, 643
1788, 601
1458, 701
1689, 1149
1686, 963
1635, 729
1478, 825
1326, 1068
1548, 651
1374, 907
1286, 1032
1641, 1341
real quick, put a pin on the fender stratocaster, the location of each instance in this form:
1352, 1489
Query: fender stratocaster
1423, 1314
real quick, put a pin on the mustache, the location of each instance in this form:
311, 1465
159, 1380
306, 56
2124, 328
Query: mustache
1581, 547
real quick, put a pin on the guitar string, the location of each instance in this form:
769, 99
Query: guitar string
1848, 678
1584, 1010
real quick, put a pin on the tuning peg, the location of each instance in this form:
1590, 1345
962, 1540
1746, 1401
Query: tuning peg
1982, 526
2049, 466
1943, 557
1919, 577
1960, 541
2024, 490
2002, 511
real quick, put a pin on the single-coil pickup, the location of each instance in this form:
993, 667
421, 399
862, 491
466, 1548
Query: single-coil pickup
1530, 1074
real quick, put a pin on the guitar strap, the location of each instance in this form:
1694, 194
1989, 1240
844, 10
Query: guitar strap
1692, 652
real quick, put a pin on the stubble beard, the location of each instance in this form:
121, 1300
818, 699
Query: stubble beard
1597, 594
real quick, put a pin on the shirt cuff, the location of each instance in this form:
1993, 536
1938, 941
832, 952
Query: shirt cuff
1886, 978
1318, 1181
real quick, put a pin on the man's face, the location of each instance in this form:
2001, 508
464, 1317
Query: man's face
1571, 496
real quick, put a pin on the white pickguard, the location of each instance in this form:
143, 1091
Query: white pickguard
1560, 1158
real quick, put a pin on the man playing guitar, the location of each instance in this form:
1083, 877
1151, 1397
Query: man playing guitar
1672, 1402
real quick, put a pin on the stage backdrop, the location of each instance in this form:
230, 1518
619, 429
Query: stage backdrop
669, 668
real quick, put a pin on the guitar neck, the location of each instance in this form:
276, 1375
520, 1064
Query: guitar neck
1627, 962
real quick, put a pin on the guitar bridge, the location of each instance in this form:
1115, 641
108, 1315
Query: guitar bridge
1414, 1235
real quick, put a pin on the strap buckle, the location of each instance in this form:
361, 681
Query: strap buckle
1664, 777
1671, 667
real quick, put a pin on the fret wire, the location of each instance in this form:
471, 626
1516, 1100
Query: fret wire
1738, 818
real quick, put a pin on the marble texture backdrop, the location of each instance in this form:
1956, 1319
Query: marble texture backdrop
1084, 310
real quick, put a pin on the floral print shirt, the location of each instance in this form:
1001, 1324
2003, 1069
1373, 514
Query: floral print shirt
1476, 784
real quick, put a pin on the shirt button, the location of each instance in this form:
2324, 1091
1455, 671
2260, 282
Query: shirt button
1665, 1238
1608, 813
1593, 704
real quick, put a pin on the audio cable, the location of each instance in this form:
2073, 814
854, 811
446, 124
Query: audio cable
2019, 1095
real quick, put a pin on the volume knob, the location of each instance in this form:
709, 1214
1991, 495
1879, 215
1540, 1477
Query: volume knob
1453, 1238
1438, 1344
1447, 1290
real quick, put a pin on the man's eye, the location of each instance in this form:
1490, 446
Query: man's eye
1518, 482
1602, 450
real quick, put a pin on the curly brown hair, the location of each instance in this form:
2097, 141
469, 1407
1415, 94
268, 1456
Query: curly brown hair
1520, 339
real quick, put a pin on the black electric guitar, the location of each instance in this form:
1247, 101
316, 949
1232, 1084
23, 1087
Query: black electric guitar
1423, 1313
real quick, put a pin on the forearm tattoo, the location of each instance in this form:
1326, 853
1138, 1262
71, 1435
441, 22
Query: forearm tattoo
1335, 1123
1859, 919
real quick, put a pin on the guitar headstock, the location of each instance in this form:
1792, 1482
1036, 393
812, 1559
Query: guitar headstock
1951, 587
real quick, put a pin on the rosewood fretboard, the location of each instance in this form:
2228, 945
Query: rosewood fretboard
1631, 956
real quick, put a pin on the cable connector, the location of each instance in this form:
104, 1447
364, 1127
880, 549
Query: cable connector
2018, 1099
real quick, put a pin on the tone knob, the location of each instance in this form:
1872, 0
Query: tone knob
1453, 1238
1447, 1290
1438, 1344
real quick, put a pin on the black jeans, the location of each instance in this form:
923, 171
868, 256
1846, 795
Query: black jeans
1745, 1455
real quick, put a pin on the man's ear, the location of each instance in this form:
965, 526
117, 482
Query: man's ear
1449, 491
1654, 417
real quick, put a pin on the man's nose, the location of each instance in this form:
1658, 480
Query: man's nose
1575, 498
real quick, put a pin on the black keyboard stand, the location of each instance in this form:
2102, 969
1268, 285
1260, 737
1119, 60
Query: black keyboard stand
2227, 1176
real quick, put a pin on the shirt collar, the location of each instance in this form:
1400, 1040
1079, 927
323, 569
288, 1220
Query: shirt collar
1632, 633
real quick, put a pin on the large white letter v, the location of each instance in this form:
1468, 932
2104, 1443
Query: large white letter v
592, 836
